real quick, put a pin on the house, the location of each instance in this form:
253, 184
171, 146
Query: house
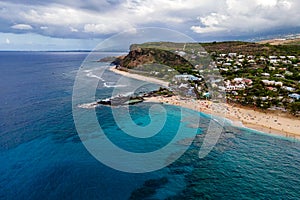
214, 85
230, 88
219, 80
287, 62
280, 84
288, 73
240, 87
272, 68
267, 82
154, 73
235, 93
222, 88
238, 64
265, 74
227, 64
272, 89
262, 58
272, 83
186, 78
224, 69
232, 55
291, 57
295, 96
248, 81
206, 94
251, 61
238, 80
290, 89
282, 69
203, 53
273, 61
278, 75
184, 86
235, 87
180, 53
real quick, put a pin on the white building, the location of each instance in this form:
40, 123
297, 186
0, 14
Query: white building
232, 55
186, 78
272, 57
279, 75
267, 82
295, 96
290, 89
265, 74
291, 57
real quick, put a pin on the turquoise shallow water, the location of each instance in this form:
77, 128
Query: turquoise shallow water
42, 156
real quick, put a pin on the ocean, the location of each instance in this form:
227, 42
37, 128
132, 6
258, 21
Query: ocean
43, 157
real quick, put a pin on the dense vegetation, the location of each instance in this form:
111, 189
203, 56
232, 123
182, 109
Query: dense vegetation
255, 49
141, 56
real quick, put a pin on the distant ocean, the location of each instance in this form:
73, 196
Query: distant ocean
42, 156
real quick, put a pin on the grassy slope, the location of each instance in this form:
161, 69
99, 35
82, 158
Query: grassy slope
227, 47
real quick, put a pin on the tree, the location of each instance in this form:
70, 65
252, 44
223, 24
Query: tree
294, 107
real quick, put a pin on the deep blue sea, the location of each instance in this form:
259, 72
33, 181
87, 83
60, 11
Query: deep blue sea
42, 156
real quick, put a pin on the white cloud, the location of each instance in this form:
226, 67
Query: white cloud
213, 19
106, 28
83, 18
59, 17
267, 3
22, 27
73, 30
199, 29
211, 23
250, 16
286, 4
131, 12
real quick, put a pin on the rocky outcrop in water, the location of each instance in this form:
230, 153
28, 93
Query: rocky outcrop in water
134, 99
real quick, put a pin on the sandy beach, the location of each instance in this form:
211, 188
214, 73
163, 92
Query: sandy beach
139, 77
268, 122
273, 123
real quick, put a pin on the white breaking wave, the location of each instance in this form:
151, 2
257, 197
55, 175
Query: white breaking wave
126, 94
110, 85
96, 103
91, 75
88, 105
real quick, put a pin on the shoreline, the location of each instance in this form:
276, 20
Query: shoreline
139, 77
272, 123
266, 122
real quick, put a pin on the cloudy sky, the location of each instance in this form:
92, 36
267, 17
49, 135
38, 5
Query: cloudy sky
82, 24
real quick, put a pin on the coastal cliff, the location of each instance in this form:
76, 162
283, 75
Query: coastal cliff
142, 56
